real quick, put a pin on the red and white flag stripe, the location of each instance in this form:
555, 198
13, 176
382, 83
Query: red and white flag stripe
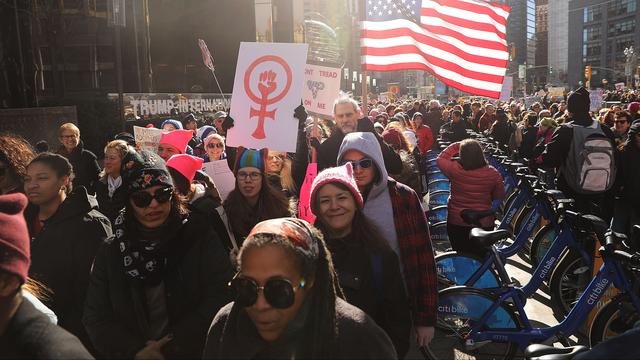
462, 42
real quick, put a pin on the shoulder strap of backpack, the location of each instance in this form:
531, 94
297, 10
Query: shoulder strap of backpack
376, 267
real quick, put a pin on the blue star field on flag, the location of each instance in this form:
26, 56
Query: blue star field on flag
386, 10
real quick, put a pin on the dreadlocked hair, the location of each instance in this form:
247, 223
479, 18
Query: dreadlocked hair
321, 329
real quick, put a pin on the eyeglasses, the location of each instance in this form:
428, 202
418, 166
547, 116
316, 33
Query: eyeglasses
215, 145
68, 136
276, 157
363, 163
278, 292
253, 176
142, 199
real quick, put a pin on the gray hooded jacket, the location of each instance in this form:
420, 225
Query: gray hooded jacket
377, 206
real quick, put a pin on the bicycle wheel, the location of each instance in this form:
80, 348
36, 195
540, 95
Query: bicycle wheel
456, 269
541, 243
568, 281
616, 317
459, 309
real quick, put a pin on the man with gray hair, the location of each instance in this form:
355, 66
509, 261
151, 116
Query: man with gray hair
348, 118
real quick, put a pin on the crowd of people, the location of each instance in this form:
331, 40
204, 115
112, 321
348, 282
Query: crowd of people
143, 258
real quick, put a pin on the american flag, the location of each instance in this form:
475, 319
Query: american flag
462, 42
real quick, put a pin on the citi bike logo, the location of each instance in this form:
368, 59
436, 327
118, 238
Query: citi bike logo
453, 309
599, 289
445, 269
510, 215
547, 266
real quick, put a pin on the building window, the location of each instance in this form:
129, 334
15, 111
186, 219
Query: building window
621, 7
592, 13
591, 50
622, 28
591, 34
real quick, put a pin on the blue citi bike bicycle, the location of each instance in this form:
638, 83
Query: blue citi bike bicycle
494, 325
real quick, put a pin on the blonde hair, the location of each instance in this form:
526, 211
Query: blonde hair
286, 179
120, 146
210, 137
68, 126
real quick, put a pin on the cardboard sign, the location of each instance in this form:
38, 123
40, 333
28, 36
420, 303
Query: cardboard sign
507, 87
147, 138
304, 206
267, 88
222, 176
556, 91
595, 96
321, 88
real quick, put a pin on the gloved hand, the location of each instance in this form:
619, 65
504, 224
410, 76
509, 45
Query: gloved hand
301, 114
228, 123
315, 143
365, 125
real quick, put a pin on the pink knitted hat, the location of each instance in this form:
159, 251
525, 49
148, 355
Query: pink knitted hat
186, 165
177, 138
341, 174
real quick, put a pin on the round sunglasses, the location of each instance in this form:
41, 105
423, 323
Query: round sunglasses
215, 145
278, 292
142, 199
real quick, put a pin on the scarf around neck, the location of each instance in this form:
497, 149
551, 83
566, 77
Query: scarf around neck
113, 184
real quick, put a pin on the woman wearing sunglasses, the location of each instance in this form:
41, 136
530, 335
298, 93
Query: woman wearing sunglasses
367, 268
254, 199
157, 284
286, 303
66, 230
214, 146
396, 211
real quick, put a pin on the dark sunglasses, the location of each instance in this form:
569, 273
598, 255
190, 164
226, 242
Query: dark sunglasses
215, 145
142, 199
278, 292
363, 163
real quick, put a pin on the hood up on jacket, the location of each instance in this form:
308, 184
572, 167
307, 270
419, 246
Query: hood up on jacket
367, 144
377, 204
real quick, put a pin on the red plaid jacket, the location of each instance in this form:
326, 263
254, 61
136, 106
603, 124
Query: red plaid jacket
417, 254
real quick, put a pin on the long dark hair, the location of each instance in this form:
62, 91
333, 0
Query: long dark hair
321, 327
242, 216
361, 228
16, 153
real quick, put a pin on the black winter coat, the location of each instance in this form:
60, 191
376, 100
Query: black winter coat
62, 253
455, 132
32, 335
110, 206
556, 153
233, 336
195, 280
382, 297
328, 151
85, 167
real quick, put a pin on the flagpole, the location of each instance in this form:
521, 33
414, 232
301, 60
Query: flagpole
220, 89
365, 94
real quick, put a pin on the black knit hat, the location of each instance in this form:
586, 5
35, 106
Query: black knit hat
144, 169
578, 102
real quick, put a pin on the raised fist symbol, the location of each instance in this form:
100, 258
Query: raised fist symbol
267, 83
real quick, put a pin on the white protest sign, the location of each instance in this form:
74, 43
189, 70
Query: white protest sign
147, 138
321, 88
507, 87
619, 86
595, 97
267, 88
222, 176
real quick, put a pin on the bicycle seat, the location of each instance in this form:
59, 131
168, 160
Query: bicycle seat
488, 238
598, 225
473, 216
545, 352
